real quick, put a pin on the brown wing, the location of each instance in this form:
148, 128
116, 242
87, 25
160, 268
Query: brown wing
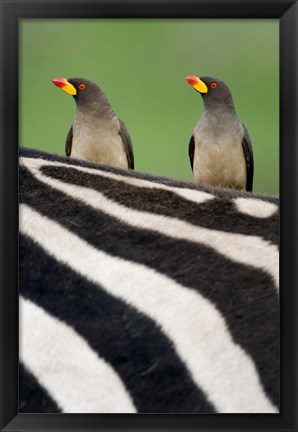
191, 150
249, 159
68, 143
127, 145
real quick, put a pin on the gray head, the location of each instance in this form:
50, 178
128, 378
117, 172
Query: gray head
85, 92
215, 93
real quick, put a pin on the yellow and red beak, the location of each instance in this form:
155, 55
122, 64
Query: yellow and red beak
197, 84
65, 85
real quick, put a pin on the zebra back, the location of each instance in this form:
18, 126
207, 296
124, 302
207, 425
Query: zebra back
144, 294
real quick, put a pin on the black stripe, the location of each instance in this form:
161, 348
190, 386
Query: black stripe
245, 296
219, 214
132, 343
33, 398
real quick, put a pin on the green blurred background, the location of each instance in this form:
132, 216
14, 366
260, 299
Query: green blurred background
141, 65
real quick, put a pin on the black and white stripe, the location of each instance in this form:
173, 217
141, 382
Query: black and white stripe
144, 294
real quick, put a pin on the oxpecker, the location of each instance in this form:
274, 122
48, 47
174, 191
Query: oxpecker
96, 134
220, 148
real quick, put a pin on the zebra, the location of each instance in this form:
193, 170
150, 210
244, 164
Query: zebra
143, 294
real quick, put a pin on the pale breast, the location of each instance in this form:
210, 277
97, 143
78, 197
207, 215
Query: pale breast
219, 158
98, 145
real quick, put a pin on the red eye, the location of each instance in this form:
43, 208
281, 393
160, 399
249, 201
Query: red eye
213, 85
82, 86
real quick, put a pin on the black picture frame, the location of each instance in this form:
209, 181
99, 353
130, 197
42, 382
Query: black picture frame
287, 14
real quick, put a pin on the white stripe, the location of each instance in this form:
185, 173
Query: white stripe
64, 364
222, 369
255, 207
193, 195
249, 250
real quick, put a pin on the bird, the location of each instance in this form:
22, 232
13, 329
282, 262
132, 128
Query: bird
96, 135
220, 148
